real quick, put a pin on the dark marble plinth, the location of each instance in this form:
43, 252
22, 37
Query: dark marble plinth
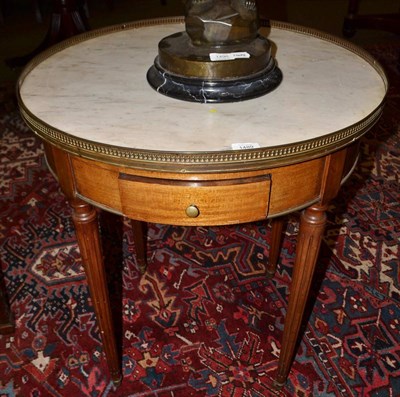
214, 91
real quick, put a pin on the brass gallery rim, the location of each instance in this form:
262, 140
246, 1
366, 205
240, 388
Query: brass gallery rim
223, 161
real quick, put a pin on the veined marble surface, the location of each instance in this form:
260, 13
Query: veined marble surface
97, 90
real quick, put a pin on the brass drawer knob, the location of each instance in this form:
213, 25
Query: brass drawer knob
192, 211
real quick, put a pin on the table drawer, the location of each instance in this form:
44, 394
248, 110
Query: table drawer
187, 202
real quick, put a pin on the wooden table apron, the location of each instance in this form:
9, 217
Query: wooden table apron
201, 188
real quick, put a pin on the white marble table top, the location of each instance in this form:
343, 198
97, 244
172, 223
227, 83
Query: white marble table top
96, 90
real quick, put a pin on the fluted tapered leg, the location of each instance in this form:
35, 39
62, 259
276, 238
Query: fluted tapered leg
87, 232
312, 226
275, 245
140, 239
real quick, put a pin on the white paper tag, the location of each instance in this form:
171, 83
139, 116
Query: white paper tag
244, 146
228, 56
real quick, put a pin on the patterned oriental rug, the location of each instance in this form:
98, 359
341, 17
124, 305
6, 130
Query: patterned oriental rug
190, 322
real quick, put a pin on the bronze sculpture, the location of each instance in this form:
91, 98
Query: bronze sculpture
221, 57
211, 22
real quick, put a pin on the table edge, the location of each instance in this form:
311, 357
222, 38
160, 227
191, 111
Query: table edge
189, 162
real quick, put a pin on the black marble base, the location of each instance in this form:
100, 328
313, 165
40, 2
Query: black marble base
214, 91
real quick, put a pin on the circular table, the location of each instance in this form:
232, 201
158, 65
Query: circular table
115, 143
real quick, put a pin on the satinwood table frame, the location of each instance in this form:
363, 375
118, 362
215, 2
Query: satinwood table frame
200, 187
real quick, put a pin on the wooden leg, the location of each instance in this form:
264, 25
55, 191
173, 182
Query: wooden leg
6, 320
275, 245
140, 239
312, 226
67, 19
349, 24
87, 232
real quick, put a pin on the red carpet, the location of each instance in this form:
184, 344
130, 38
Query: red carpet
203, 320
